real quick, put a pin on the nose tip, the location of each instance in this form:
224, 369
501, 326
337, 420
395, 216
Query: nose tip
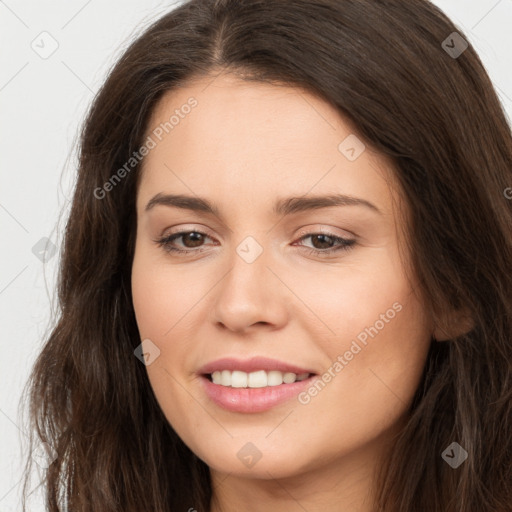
247, 298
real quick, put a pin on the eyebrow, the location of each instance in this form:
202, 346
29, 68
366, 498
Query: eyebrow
283, 207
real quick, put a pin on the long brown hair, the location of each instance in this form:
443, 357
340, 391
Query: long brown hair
384, 66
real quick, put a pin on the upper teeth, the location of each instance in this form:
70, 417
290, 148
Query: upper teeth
259, 379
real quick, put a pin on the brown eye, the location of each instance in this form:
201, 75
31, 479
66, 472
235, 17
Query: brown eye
190, 240
326, 243
192, 237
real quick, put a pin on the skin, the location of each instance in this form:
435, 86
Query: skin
242, 147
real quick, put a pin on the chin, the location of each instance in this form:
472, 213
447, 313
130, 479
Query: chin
248, 461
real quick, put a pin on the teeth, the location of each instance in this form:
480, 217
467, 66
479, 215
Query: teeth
238, 379
225, 378
259, 379
274, 378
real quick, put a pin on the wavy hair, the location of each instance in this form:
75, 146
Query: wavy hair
383, 65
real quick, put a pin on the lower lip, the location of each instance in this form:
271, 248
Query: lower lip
250, 400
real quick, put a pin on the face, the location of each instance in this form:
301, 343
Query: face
313, 287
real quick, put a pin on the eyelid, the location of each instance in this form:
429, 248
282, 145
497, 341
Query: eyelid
325, 231
186, 228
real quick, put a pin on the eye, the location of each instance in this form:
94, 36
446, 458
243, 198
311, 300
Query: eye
331, 240
194, 239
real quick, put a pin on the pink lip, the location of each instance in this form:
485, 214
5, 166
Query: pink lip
252, 400
251, 365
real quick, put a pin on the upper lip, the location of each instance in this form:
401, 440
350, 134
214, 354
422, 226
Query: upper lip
251, 365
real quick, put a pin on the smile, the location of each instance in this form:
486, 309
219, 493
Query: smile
257, 379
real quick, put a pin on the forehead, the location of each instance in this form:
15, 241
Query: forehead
233, 140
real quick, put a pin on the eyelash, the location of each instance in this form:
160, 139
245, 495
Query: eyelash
346, 243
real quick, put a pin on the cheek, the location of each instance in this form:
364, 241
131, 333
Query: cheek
160, 299
377, 326
161, 304
380, 351
154, 303
369, 294
167, 305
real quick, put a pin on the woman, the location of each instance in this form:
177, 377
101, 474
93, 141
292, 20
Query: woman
285, 283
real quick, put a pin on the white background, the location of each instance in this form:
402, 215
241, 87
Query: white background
43, 102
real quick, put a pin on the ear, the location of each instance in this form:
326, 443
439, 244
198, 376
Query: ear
451, 324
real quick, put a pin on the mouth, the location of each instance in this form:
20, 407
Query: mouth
256, 379
255, 392
253, 385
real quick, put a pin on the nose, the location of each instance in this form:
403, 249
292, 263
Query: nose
251, 293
